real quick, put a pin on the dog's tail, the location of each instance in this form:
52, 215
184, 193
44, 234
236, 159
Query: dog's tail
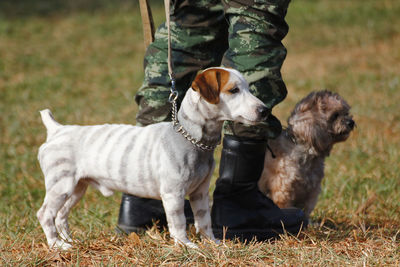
48, 120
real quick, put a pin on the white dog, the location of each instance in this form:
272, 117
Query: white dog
157, 161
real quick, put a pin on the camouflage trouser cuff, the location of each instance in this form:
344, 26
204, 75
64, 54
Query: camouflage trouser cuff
153, 105
269, 129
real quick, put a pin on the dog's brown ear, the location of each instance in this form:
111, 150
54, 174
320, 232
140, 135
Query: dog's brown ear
210, 83
311, 131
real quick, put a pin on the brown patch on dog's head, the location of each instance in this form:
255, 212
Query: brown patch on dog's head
211, 82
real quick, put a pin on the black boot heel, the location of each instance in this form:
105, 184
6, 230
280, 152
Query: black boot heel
239, 206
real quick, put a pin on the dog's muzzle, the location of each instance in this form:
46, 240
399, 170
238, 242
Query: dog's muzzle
350, 123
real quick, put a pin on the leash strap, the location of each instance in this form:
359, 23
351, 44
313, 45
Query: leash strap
147, 22
173, 97
174, 93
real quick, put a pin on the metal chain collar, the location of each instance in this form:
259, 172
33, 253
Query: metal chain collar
178, 127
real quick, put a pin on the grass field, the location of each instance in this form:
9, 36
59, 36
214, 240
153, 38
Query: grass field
83, 60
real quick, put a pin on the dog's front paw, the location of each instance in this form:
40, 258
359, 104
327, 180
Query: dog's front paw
60, 245
191, 245
186, 243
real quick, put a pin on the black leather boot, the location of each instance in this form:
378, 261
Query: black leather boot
239, 205
137, 214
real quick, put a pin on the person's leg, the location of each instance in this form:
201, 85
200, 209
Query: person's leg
199, 39
256, 28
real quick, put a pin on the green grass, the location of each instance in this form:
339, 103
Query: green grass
83, 60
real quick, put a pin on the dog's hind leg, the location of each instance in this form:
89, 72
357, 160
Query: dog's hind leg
61, 220
55, 198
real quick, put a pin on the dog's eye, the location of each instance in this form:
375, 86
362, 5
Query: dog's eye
335, 116
234, 90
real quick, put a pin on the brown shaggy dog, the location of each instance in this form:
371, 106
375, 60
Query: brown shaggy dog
293, 177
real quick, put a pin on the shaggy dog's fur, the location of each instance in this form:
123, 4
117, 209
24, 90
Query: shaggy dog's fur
292, 176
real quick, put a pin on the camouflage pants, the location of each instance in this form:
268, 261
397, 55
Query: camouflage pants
242, 34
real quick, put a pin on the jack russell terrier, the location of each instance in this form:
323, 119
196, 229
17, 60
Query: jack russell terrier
157, 161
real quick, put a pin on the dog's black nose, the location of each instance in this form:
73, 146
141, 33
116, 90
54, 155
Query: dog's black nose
263, 111
350, 123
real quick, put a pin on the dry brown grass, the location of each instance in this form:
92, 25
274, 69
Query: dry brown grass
85, 64
351, 244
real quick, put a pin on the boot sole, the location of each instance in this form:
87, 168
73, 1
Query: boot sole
247, 235
123, 229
